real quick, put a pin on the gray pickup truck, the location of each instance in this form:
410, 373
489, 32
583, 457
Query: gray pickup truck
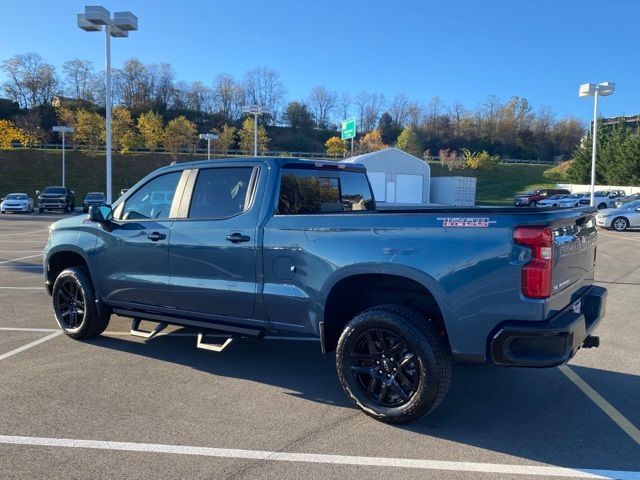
256, 245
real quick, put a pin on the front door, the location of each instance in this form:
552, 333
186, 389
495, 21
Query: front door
132, 255
213, 251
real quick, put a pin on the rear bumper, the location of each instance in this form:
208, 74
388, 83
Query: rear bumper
551, 343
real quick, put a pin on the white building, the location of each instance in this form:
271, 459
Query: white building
396, 177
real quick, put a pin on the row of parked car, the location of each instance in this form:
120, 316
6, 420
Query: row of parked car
616, 209
51, 198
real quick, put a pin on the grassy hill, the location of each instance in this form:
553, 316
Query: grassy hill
25, 170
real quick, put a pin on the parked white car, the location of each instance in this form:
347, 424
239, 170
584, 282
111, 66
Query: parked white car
552, 201
571, 200
602, 199
16, 202
621, 218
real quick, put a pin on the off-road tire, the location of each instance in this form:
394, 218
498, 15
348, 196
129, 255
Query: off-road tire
429, 346
94, 321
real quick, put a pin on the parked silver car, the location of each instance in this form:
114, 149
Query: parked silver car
552, 201
16, 202
627, 199
621, 218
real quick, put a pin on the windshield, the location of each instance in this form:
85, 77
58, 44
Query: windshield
630, 205
16, 196
56, 190
95, 196
556, 197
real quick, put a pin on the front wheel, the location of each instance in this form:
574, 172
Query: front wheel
393, 363
620, 224
532, 204
74, 305
602, 206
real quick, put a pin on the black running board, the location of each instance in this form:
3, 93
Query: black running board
183, 322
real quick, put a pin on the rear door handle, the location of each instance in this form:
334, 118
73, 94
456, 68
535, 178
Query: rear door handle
237, 238
155, 236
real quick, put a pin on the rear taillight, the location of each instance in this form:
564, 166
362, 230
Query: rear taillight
536, 275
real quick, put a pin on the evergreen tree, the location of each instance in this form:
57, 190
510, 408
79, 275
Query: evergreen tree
389, 130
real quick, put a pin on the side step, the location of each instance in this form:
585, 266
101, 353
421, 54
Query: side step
135, 329
213, 347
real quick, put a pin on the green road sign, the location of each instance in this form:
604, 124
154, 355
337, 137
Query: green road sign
348, 128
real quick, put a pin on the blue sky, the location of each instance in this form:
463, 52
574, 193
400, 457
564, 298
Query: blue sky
454, 49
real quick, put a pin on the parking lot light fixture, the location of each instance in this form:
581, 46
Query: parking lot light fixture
208, 137
119, 25
255, 110
63, 130
595, 90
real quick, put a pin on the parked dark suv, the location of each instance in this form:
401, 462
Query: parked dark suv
531, 198
93, 198
56, 198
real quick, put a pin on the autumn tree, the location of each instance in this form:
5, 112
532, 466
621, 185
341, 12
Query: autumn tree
246, 136
9, 133
335, 146
180, 134
371, 142
480, 160
78, 78
150, 127
227, 139
409, 142
123, 130
89, 129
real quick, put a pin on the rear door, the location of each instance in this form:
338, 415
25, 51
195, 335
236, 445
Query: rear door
214, 250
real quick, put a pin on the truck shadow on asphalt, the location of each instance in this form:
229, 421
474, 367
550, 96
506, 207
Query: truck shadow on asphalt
537, 414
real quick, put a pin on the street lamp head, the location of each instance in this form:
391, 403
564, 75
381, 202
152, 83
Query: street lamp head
116, 32
97, 15
209, 136
256, 110
126, 21
589, 89
63, 129
87, 25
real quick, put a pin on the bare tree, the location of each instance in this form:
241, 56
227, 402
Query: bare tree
457, 113
228, 96
323, 103
369, 107
31, 81
131, 85
78, 75
346, 103
161, 84
263, 86
399, 109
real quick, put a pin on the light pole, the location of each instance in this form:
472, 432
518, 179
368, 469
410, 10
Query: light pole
208, 137
63, 130
255, 110
595, 90
118, 26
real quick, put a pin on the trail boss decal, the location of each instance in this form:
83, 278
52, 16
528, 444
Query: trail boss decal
471, 222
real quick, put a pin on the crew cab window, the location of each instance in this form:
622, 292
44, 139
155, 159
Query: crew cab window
220, 192
310, 192
153, 199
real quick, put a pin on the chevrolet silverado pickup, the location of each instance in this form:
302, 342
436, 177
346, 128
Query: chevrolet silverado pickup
249, 246
56, 198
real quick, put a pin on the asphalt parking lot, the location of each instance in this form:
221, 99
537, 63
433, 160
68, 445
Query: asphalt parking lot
117, 407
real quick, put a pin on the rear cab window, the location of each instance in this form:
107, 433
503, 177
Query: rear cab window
315, 191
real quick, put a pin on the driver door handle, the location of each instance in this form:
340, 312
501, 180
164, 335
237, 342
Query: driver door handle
237, 238
155, 236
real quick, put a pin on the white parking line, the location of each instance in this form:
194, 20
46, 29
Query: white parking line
21, 251
495, 468
23, 233
29, 345
619, 419
21, 258
23, 329
618, 236
21, 288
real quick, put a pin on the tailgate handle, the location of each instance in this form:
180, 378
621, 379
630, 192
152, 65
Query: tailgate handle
237, 238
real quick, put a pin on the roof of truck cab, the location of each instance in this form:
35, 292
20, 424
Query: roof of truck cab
284, 162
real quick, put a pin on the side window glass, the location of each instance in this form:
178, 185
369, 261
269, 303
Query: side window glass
304, 194
153, 200
220, 192
356, 193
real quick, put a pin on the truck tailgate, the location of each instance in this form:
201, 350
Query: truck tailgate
574, 254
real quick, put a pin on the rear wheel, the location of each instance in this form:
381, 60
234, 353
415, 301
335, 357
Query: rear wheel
620, 224
602, 206
74, 305
393, 363
40, 210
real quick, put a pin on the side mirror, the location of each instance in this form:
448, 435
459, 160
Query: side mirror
37, 192
100, 213
2, 199
72, 192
